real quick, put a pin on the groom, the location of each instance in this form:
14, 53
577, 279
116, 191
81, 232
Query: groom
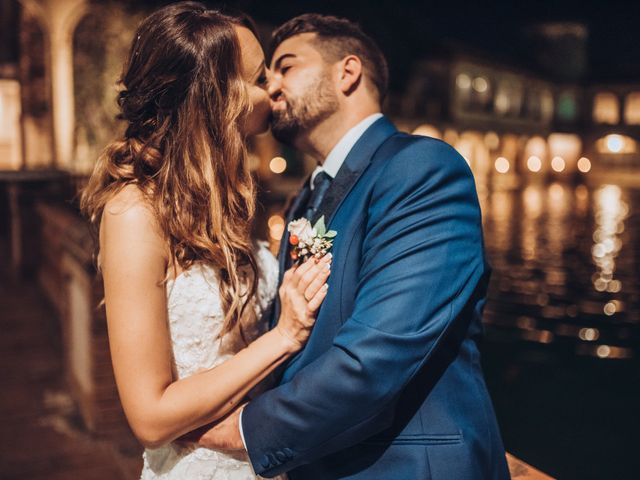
389, 385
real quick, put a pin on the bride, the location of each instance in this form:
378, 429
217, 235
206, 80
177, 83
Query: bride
185, 286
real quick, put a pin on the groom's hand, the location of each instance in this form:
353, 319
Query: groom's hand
225, 434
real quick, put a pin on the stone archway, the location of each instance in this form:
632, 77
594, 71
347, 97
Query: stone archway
101, 43
10, 104
56, 20
35, 80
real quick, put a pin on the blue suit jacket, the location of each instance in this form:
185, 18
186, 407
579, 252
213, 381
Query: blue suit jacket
389, 385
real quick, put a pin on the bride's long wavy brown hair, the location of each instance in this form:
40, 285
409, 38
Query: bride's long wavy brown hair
183, 100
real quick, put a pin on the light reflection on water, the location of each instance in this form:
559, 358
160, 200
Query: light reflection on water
610, 213
565, 268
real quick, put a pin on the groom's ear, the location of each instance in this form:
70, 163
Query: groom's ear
350, 74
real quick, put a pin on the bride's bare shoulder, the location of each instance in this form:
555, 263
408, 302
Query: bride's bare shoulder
129, 233
128, 201
129, 209
128, 214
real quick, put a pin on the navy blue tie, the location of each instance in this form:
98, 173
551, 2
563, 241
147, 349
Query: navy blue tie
320, 186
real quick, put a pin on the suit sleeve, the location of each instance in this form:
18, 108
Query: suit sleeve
422, 260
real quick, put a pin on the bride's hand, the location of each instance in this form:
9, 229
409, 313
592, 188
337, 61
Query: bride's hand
302, 291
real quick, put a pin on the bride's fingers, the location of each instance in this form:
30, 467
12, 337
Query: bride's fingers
317, 283
299, 271
318, 269
318, 298
288, 274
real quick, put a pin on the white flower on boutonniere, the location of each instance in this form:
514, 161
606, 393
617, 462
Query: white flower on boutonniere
308, 241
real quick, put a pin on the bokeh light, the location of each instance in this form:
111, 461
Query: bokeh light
502, 165
278, 165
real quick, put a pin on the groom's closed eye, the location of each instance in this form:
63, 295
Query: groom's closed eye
279, 65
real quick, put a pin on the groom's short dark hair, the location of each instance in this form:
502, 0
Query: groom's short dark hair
339, 37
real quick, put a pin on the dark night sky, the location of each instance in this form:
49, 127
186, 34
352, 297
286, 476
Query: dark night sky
409, 29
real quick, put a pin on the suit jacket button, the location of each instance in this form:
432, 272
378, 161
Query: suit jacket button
272, 459
288, 452
281, 456
265, 462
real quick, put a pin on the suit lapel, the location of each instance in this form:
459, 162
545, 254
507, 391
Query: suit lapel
340, 185
354, 165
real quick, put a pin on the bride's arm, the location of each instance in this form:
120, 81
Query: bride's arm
158, 407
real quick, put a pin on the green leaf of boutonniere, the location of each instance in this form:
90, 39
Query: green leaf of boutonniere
320, 227
331, 234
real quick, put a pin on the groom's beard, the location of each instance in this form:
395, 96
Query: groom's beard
303, 113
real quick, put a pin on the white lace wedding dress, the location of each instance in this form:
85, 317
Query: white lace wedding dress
195, 319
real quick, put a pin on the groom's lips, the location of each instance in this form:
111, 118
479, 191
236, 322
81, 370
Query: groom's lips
278, 100
281, 101
278, 112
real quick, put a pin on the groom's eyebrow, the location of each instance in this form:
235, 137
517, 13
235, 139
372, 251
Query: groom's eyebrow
280, 59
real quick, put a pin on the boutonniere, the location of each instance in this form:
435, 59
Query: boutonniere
309, 241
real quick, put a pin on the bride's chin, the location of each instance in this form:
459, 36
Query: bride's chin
256, 125
264, 127
259, 128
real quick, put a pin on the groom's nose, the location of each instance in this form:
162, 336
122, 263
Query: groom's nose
274, 85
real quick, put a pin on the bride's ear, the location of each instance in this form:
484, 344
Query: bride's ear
350, 74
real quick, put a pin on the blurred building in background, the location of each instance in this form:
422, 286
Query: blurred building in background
515, 124
513, 121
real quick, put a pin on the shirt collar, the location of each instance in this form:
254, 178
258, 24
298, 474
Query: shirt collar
339, 153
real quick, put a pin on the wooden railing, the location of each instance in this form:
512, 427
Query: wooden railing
522, 471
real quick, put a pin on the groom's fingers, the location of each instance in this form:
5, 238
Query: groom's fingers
225, 434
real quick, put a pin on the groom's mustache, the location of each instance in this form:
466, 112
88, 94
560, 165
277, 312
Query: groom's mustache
280, 111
